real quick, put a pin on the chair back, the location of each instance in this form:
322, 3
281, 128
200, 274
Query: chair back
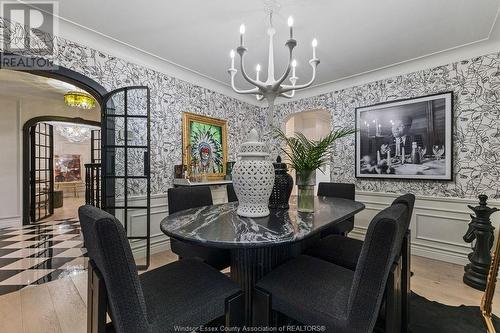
181, 198
109, 249
231, 194
381, 246
337, 190
409, 201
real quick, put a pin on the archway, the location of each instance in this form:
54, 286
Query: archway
314, 124
65, 75
29, 154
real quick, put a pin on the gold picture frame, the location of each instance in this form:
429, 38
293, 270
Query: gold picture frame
205, 137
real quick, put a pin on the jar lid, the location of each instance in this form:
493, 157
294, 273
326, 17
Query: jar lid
279, 166
253, 147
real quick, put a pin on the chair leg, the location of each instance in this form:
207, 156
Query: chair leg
405, 282
261, 308
235, 310
393, 300
96, 301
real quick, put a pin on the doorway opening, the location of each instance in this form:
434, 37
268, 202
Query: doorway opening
314, 124
75, 146
30, 102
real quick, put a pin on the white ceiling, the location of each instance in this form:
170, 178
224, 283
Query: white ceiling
20, 84
355, 36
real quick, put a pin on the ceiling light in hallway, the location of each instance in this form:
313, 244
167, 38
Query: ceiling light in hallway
79, 99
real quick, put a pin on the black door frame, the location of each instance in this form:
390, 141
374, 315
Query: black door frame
26, 152
63, 74
108, 144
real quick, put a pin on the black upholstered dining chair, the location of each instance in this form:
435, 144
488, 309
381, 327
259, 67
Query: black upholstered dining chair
345, 252
338, 190
181, 198
316, 292
183, 293
231, 194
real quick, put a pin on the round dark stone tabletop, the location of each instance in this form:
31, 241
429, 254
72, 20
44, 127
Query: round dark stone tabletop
220, 226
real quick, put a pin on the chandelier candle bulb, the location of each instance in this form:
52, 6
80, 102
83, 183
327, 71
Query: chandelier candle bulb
242, 32
257, 70
290, 24
314, 45
294, 65
231, 54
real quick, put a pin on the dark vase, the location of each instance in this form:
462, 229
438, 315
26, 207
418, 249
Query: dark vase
229, 170
283, 185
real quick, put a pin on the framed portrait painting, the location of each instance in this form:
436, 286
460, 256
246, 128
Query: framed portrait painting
204, 142
406, 139
67, 168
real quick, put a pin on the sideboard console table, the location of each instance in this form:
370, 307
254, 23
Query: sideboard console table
217, 187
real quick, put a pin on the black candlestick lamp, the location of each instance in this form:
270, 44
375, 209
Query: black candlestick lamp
481, 230
283, 185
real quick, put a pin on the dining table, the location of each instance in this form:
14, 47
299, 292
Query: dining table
257, 245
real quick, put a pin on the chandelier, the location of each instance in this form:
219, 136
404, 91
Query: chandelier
272, 87
79, 99
74, 133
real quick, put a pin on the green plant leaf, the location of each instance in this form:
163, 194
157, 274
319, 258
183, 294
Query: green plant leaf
309, 155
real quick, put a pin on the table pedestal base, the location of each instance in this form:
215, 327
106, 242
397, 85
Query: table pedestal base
249, 265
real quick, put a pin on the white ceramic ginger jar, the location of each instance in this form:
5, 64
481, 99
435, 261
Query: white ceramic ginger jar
253, 177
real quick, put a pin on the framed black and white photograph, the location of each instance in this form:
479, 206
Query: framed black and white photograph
406, 139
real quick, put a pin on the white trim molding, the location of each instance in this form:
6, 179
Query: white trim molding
437, 225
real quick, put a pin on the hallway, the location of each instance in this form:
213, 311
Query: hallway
43, 252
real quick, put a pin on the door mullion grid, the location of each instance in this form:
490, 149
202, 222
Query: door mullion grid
148, 181
125, 179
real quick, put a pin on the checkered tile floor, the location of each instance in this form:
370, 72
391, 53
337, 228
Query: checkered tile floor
39, 253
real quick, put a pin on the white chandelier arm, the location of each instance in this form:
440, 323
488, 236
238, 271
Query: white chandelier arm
241, 51
259, 97
286, 88
291, 44
252, 91
288, 95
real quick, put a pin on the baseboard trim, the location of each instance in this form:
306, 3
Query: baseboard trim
10, 221
159, 243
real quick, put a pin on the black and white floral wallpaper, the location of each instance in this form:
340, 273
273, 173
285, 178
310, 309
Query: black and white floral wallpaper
475, 83
476, 86
169, 98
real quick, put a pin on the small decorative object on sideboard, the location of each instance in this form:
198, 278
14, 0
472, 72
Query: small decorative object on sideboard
229, 170
481, 230
283, 185
306, 156
253, 177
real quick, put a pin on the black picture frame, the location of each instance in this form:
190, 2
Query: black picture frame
371, 158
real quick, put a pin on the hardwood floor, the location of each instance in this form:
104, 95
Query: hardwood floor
60, 305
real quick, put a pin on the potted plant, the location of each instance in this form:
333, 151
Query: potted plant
306, 156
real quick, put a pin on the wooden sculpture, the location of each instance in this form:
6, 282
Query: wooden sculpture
489, 292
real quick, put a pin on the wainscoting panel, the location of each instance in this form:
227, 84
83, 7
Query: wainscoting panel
137, 224
437, 224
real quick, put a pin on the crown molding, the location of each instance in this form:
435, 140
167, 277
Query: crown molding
412, 65
94, 39
103, 43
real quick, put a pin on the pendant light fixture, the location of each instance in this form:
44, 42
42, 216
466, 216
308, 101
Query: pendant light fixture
79, 99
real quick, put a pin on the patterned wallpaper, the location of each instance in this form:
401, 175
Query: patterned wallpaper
475, 82
169, 98
476, 86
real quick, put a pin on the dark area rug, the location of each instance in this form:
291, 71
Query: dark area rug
432, 317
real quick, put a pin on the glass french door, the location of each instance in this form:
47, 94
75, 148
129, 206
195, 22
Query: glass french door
95, 146
125, 151
41, 169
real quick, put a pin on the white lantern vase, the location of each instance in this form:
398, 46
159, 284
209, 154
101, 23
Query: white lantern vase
253, 177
